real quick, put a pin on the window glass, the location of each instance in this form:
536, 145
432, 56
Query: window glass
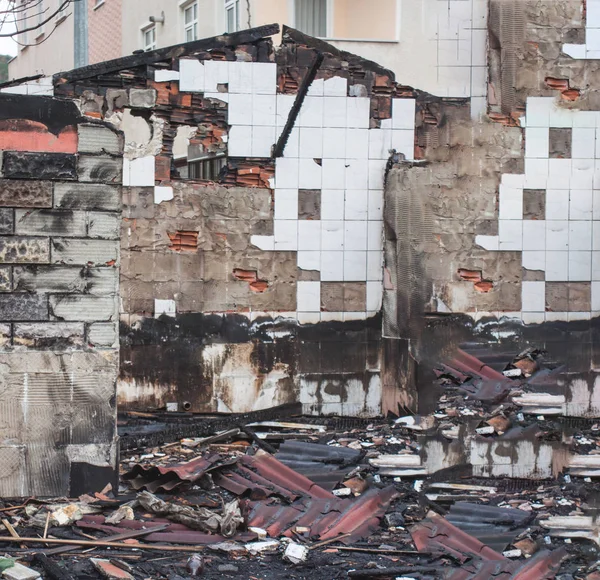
311, 17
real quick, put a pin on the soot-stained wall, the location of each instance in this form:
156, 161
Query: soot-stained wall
60, 205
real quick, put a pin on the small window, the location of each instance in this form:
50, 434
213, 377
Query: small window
190, 22
41, 16
24, 27
232, 14
149, 38
311, 17
207, 168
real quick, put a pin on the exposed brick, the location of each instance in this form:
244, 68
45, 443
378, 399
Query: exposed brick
103, 225
103, 334
76, 251
5, 279
49, 334
25, 193
23, 165
17, 307
84, 308
73, 279
50, 222
87, 196
100, 169
98, 139
7, 219
20, 250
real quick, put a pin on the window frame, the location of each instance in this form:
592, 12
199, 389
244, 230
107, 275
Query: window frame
235, 6
207, 161
194, 23
41, 16
149, 28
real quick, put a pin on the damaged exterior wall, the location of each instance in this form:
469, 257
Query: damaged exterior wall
59, 255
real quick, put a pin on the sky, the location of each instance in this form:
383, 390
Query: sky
7, 45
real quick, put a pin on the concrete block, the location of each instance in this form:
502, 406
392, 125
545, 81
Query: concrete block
65, 279
84, 308
49, 334
50, 222
98, 139
27, 165
5, 334
100, 169
84, 252
90, 196
103, 225
5, 279
20, 193
20, 572
116, 99
6, 220
22, 250
23, 307
142, 98
103, 334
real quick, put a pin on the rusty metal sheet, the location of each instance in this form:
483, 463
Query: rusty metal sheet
167, 478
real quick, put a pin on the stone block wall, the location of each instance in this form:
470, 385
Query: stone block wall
59, 282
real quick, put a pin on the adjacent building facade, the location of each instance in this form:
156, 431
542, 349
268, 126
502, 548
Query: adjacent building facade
449, 36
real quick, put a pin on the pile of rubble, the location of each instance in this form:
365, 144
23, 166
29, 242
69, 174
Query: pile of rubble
297, 497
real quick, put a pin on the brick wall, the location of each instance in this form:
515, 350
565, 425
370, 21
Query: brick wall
104, 30
59, 256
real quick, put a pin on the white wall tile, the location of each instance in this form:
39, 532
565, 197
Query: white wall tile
263, 139
537, 142
286, 204
284, 104
334, 143
491, 243
266, 243
334, 111
592, 39
162, 193
332, 266
479, 81
332, 204
375, 205
215, 72
557, 235
375, 266
316, 88
374, 296
191, 73
311, 142
510, 203
311, 114
286, 234
403, 141
309, 235
592, 14
533, 317
535, 260
583, 143
286, 173
580, 235
263, 109
376, 173
357, 174
596, 266
164, 76
308, 296
309, 260
559, 173
357, 143
380, 143
557, 266
596, 236
538, 111
534, 235
580, 266
403, 113
375, 236
510, 233
239, 143
560, 118
264, 78
582, 173
355, 236
356, 204
240, 77
557, 204
309, 174
358, 112
513, 180
334, 173
141, 171
335, 87
580, 204
240, 109
332, 235
292, 146
309, 317
533, 296
355, 266
536, 173
166, 307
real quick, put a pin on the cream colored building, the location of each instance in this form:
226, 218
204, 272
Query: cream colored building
438, 46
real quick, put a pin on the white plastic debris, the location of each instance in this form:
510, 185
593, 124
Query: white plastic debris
418, 484
344, 491
262, 547
262, 534
20, 572
512, 554
295, 553
512, 373
487, 430
66, 515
